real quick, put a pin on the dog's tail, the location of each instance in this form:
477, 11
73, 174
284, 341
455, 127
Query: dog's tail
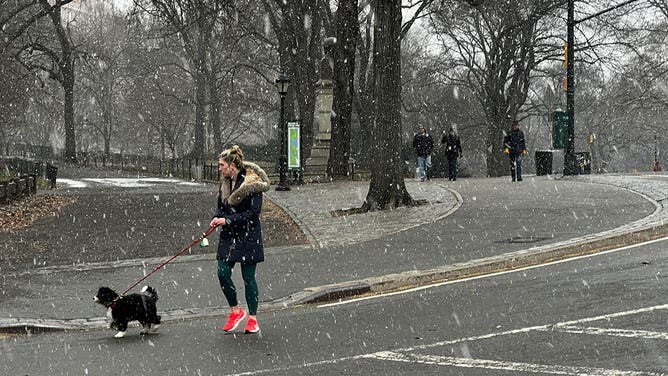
150, 291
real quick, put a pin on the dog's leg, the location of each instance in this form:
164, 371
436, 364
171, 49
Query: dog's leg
122, 327
120, 334
155, 322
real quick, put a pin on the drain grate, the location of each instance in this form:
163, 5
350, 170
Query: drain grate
522, 240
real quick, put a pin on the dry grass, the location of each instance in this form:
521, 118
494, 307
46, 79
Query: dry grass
22, 213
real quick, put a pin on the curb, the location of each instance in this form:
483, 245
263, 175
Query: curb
515, 260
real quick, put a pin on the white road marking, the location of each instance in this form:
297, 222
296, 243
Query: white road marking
547, 327
612, 332
406, 354
615, 315
501, 365
407, 291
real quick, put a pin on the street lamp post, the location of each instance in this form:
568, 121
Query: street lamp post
570, 160
282, 83
569, 157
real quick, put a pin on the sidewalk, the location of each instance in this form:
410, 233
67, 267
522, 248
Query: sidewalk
472, 226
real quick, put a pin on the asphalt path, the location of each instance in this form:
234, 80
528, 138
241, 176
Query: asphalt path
115, 217
139, 221
603, 314
495, 218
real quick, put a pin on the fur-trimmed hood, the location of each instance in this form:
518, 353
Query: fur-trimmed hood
255, 181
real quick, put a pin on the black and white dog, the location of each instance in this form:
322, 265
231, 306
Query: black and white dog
123, 309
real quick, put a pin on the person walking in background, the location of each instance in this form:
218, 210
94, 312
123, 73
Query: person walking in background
514, 147
453, 151
423, 144
238, 214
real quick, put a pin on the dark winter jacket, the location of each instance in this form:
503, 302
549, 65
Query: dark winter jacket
241, 239
514, 141
453, 147
423, 144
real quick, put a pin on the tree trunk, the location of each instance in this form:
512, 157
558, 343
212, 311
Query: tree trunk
214, 113
199, 145
344, 74
497, 162
387, 189
66, 66
68, 86
364, 97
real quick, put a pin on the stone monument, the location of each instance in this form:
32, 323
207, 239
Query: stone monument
317, 163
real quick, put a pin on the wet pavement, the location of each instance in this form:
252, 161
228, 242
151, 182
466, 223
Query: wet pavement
468, 227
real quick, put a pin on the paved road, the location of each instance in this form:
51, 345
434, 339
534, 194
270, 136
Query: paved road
601, 315
472, 226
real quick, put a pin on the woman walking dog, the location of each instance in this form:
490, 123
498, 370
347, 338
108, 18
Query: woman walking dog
238, 214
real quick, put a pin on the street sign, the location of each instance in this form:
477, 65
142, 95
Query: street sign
294, 156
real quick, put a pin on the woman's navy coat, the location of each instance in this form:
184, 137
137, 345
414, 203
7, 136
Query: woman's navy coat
241, 236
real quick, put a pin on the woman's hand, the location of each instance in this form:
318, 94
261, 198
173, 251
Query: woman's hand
217, 222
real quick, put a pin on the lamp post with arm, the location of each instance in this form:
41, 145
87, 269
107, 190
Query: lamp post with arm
282, 83
570, 159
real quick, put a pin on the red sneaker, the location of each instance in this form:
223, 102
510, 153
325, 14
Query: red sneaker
251, 326
234, 319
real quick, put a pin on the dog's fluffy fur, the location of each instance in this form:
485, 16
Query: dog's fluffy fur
123, 309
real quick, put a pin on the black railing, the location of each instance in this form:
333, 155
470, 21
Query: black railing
16, 188
183, 168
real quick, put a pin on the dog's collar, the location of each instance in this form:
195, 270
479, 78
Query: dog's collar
112, 305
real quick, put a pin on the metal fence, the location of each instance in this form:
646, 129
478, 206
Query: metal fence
16, 188
28, 158
33, 159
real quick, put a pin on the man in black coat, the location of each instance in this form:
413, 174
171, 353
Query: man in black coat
423, 144
515, 148
453, 150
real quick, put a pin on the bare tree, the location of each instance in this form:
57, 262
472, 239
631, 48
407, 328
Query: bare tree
193, 22
50, 50
104, 73
363, 94
16, 88
297, 26
347, 30
241, 83
661, 5
159, 103
492, 50
387, 188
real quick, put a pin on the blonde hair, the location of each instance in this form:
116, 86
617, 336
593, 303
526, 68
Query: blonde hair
233, 155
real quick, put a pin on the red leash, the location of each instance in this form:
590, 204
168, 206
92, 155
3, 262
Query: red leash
204, 235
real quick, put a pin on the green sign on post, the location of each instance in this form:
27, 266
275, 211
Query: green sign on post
294, 160
559, 129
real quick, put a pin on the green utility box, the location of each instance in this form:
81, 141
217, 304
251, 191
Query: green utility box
559, 129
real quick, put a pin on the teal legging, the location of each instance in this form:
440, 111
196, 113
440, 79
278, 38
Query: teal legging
230, 291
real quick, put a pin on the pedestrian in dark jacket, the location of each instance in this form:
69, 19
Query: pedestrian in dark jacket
423, 144
515, 148
453, 151
238, 214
